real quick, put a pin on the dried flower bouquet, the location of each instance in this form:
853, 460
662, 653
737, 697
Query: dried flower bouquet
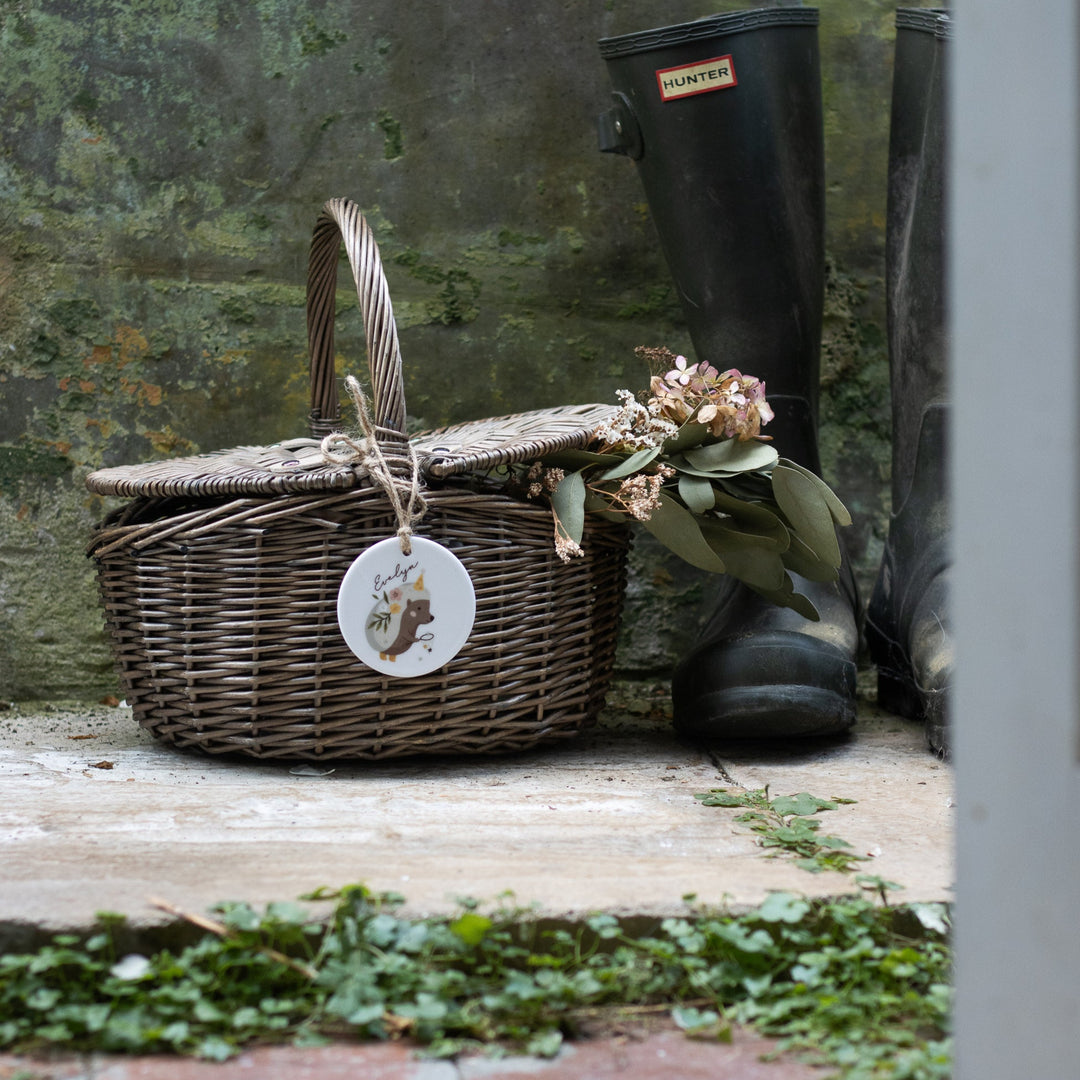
692, 466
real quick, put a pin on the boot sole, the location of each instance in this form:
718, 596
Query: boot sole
767, 712
899, 694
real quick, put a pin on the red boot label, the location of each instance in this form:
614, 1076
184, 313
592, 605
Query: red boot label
701, 77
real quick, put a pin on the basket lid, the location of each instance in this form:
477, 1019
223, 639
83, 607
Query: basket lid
298, 465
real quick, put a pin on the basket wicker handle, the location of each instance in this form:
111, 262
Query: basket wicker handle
341, 220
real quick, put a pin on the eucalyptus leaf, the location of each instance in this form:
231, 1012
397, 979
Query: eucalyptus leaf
634, 463
677, 529
575, 459
600, 507
754, 514
568, 502
756, 567
689, 435
839, 511
679, 462
697, 493
753, 487
744, 558
733, 455
801, 560
743, 533
800, 500
786, 596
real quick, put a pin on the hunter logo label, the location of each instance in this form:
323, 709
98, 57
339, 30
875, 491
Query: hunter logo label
406, 615
701, 77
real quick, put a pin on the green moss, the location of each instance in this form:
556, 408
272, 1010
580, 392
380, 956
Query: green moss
52, 639
20, 463
393, 146
76, 315
508, 237
457, 298
317, 41
237, 309
658, 300
85, 102
459, 290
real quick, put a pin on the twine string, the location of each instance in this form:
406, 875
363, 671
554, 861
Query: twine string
406, 497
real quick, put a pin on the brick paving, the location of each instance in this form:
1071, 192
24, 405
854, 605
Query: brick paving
649, 1055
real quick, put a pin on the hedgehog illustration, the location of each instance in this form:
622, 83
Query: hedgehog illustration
394, 622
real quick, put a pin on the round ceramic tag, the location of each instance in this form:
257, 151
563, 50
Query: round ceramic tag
406, 615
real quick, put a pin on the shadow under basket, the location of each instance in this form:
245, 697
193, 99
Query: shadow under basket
220, 577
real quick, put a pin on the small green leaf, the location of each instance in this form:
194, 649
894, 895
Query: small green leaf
207, 1012
471, 927
545, 1044
834, 843
722, 797
783, 907
215, 1049
308, 1039
693, 1021
804, 804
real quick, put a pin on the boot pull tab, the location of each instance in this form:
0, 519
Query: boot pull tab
618, 131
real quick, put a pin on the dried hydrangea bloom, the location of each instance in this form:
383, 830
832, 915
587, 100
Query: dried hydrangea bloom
681, 374
731, 405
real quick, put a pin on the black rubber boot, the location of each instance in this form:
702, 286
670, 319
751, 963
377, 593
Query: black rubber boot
723, 119
907, 625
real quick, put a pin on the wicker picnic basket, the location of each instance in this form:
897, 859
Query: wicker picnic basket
219, 578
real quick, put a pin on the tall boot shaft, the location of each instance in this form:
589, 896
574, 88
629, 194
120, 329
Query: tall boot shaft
915, 233
907, 620
723, 119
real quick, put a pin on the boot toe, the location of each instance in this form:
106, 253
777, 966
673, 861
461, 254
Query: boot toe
915, 661
780, 684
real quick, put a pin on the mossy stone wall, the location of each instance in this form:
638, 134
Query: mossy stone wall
162, 164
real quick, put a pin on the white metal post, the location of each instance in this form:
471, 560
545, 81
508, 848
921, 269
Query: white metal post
1015, 287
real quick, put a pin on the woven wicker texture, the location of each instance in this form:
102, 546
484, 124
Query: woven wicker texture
219, 579
299, 464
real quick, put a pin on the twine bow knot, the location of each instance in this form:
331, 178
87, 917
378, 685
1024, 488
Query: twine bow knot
406, 497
